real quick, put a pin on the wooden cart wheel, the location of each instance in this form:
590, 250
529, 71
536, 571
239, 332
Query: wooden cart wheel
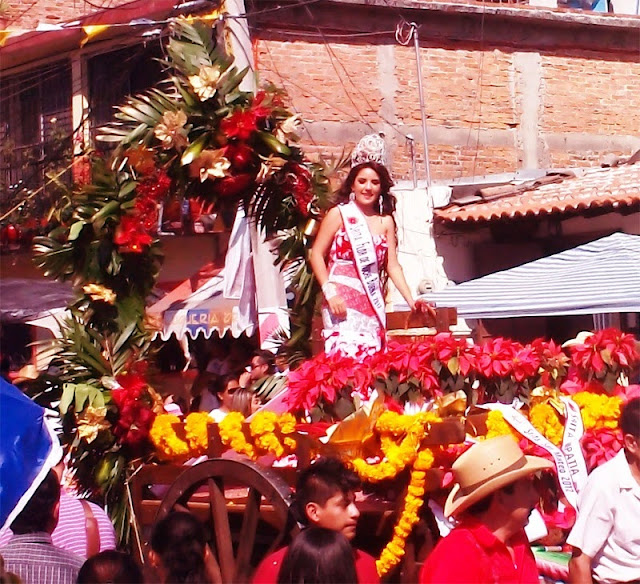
248, 509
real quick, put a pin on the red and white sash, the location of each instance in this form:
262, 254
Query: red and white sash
364, 252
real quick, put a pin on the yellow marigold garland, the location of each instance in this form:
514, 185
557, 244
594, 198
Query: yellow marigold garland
498, 426
597, 410
269, 433
232, 434
391, 426
196, 430
544, 418
165, 439
394, 550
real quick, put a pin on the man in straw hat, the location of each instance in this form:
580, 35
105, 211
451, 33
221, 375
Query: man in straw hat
492, 498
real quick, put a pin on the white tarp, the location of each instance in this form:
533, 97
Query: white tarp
602, 276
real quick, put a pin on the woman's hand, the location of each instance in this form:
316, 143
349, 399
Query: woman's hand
337, 306
424, 307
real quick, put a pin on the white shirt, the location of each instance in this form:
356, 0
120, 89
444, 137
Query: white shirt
608, 525
218, 415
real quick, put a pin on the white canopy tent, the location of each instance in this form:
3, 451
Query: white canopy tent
599, 277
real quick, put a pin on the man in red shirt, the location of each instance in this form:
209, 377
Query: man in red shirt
492, 498
325, 497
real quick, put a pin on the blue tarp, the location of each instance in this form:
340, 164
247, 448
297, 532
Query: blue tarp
28, 449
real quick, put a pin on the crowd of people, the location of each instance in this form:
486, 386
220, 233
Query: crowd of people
491, 501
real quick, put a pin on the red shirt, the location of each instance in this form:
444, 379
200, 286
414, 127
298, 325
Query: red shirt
472, 554
267, 571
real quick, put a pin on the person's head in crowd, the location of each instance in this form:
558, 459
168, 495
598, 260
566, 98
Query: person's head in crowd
325, 496
281, 360
178, 549
261, 365
318, 556
40, 514
495, 483
224, 388
245, 401
110, 567
630, 426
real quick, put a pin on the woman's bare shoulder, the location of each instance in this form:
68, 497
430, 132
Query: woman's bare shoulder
333, 217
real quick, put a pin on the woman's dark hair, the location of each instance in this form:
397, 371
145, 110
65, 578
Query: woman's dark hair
110, 567
179, 540
318, 556
388, 200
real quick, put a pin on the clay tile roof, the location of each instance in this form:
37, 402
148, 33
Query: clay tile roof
602, 189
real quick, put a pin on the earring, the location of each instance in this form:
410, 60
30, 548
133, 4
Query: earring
352, 196
380, 202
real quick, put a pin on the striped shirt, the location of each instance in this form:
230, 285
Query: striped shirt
35, 560
70, 534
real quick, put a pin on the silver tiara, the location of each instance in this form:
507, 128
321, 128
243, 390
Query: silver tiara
371, 148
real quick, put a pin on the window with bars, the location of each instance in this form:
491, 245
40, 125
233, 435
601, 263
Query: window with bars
35, 127
115, 75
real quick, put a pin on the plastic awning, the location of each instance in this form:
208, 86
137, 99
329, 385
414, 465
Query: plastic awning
204, 312
602, 276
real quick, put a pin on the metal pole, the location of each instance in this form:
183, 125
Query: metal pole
414, 168
416, 42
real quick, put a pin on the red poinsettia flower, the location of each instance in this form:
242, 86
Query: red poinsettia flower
525, 364
620, 347
495, 357
258, 107
241, 124
553, 361
600, 445
587, 357
131, 234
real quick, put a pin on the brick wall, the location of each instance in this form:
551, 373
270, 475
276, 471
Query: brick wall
523, 95
28, 14
500, 94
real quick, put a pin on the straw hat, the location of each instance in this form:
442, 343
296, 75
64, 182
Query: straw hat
487, 467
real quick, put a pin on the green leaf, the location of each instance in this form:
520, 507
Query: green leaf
194, 150
110, 208
68, 393
75, 230
82, 393
274, 144
453, 365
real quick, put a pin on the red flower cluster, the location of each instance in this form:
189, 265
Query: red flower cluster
438, 363
297, 181
608, 348
321, 378
135, 413
600, 445
134, 231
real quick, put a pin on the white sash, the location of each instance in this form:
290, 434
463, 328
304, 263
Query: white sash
573, 431
522, 425
364, 253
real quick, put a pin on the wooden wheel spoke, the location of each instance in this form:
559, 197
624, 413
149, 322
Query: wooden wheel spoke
248, 531
201, 489
220, 519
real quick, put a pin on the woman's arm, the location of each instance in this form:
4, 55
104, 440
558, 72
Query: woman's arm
394, 269
328, 229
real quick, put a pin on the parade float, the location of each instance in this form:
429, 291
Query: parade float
399, 418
